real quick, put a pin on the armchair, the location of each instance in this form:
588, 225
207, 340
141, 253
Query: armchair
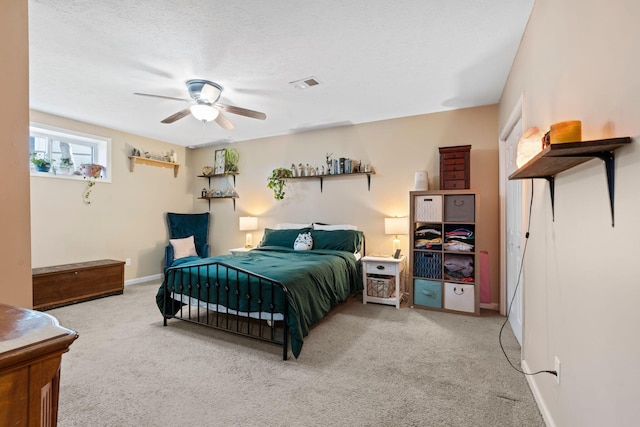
185, 225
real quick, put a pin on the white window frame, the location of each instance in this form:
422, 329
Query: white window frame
103, 151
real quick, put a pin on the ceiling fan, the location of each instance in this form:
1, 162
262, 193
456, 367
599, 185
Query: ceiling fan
207, 108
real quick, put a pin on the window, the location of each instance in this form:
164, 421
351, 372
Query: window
68, 151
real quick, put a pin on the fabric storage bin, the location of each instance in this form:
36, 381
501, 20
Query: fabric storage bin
427, 264
459, 297
427, 293
381, 286
428, 208
459, 208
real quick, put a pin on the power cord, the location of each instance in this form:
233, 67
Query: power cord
524, 251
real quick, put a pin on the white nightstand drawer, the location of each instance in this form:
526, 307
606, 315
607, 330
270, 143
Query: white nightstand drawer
389, 268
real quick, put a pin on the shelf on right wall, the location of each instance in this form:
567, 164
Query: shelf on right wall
556, 158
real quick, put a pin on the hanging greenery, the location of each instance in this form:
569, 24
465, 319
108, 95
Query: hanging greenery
278, 180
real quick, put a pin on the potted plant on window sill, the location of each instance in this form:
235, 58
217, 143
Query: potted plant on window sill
42, 163
278, 180
66, 166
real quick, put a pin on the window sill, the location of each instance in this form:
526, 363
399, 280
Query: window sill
64, 176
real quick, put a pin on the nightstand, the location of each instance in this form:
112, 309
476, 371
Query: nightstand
382, 280
239, 250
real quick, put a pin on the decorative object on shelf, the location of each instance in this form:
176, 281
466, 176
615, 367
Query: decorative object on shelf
421, 182
42, 163
66, 165
396, 225
569, 131
219, 162
231, 158
277, 181
207, 170
92, 173
248, 223
531, 143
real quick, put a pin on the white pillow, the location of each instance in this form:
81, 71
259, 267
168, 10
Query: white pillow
304, 242
334, 227
183, 248
291, 226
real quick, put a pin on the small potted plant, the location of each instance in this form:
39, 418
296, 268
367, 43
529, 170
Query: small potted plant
66, 165
278, 180
42, 163
231, 158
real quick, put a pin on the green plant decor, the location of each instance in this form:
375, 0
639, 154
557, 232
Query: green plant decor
278, 180
231, 158
42, 163
91, 182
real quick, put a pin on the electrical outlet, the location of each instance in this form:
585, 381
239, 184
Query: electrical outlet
127, 261
557, 369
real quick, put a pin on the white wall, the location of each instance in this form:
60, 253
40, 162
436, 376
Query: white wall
580, 61
126, 218
394, 148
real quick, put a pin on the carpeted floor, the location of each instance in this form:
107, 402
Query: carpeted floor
363, 365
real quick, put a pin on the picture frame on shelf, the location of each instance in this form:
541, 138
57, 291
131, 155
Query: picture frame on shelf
219, 165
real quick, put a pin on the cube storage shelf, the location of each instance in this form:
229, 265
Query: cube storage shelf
443, 251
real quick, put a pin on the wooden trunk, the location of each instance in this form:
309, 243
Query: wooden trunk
61, 285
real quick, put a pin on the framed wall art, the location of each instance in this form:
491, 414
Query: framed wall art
219, 165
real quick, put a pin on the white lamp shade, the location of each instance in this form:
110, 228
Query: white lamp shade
204, 112
396, 225
248, 223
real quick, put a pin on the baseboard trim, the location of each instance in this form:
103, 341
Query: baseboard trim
143, 279
490, 306
544, 410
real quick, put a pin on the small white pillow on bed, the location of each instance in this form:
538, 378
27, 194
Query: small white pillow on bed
290, 226
334, 227
183, 248
304, 242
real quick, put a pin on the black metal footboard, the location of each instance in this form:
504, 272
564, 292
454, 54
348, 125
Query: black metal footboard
228, 298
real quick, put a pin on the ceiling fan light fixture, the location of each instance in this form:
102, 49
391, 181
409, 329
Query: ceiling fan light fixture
204, 112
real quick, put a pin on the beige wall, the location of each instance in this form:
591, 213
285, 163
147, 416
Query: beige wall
15, 255
126, 217
580, 61
395, 148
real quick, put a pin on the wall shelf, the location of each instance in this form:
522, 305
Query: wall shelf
220, 175
557, 158
209, 199
339, 175
152, 162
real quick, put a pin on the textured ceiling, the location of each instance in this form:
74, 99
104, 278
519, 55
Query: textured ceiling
375, 60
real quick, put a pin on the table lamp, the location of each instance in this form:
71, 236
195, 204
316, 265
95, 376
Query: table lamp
248, 223
396, 226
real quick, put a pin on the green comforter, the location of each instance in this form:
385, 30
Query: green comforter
316, 281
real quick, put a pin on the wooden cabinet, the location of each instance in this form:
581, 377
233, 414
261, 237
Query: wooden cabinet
443, 251
71, 283
454, 167
30, 353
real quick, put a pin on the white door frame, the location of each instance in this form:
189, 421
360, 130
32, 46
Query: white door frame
516, 115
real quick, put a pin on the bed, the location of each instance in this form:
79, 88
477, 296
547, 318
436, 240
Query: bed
273, 293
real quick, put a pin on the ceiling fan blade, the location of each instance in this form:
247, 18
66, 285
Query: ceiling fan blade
163, 97
210, 93
177, 116
224, 122
243, 111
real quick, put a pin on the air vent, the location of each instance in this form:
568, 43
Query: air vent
305, 83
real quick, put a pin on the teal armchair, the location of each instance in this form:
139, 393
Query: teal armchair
185, 225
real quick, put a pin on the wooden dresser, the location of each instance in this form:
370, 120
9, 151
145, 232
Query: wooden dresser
455, 173
31, 348
70, 283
